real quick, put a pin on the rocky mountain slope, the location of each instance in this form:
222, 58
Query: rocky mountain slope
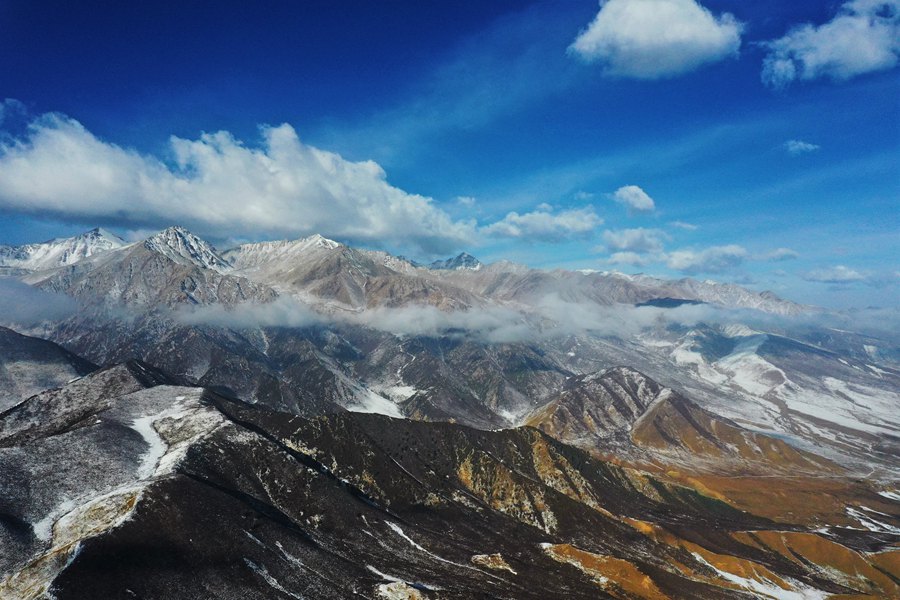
306, 419
29, 365
315, 323
191, 494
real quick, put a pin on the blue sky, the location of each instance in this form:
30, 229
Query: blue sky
760, 145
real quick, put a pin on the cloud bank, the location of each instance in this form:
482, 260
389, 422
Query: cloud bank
652, 39
217, 184
24, 305
862, 38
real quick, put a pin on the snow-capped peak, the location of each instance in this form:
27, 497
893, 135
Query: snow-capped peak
322, 242
463, 261
183, 247
59, 252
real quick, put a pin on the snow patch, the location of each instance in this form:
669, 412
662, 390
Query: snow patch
766, 588
367, 401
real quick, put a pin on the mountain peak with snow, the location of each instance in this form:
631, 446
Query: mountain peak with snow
462, 262
59, 252
183, 247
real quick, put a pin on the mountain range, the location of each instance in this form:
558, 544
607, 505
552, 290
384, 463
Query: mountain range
307, 419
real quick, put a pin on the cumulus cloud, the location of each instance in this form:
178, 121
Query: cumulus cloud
546, 225
631, 259
467, 201
710, 260
838, 274
218, 185
779, 255
651, 39
636, 199
863, 37
798, 147
638, 240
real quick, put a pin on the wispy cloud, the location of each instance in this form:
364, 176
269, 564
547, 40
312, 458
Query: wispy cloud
630, 259
798, 147
683, 225
650, 39
512, 64
862, 38
779, 255
837, 275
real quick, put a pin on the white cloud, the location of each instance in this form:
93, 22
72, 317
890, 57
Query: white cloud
683, 225
798, 147
649, 39
218, 186
711, 260
634, 198
837, 274
632, 259
779, 255
635, 240
863, 37
543, 224
467, 201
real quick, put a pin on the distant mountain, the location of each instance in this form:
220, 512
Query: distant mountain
173, 267
59, 252
331, 273
460, 262
390, 337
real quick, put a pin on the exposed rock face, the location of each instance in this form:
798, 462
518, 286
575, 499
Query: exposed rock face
601, 405
178, 492
29, 365
623, 411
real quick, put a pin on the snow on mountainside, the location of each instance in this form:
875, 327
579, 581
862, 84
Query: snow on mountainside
182, 246
178, 492
461, 262
254, 256
59, 252
323, 271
